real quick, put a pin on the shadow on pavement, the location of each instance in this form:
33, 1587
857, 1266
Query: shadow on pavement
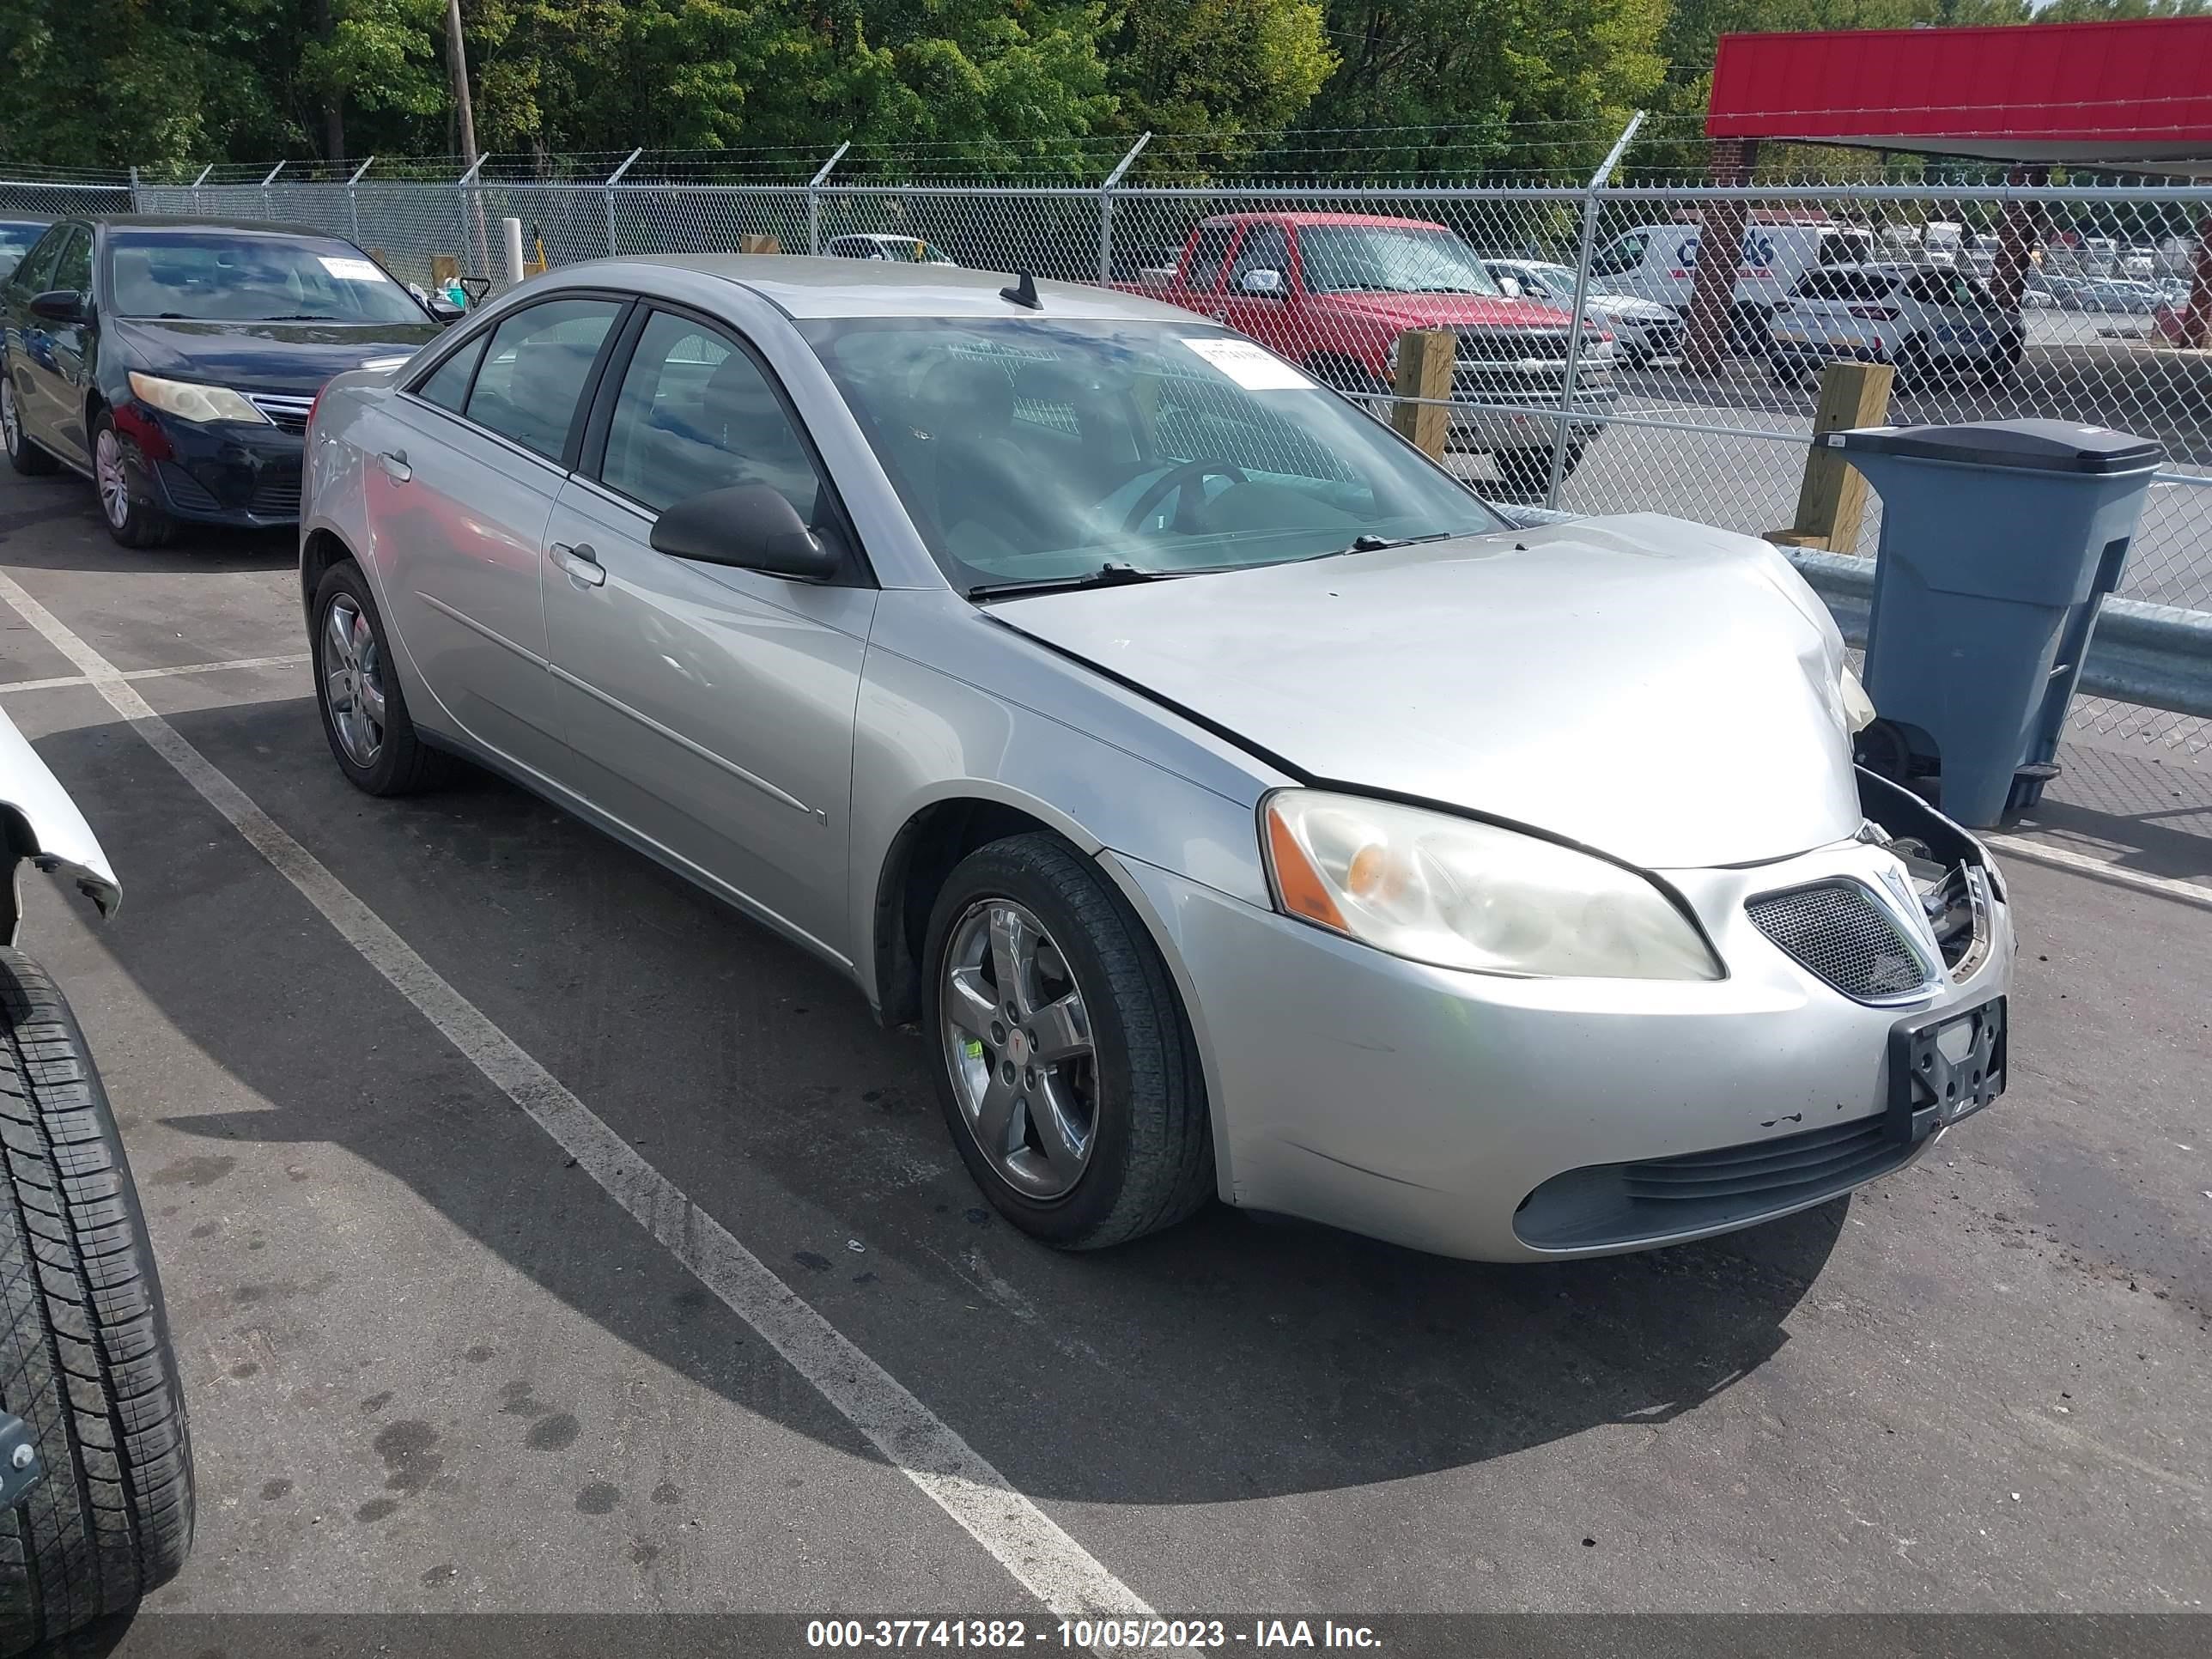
74, 538
1227, 1358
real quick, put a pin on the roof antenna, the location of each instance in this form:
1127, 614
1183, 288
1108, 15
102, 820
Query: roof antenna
1023, 292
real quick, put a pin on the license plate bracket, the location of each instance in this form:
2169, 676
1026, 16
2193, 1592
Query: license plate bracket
1944, 1069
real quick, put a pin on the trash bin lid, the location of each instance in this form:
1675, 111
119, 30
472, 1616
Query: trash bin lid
2033, 445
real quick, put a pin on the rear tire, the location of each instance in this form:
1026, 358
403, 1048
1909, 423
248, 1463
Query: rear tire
126, 507
388, 759
23, 453
1149, 1157
85, 1357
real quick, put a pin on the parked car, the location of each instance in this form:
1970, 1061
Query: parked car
2118, 295
1240, 806
1334, 291
901, 250
1643, 331
1930, 320
16, 236
173, 361
96, 1461
1660, 263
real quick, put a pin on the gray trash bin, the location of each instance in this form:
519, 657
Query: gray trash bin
1999, 541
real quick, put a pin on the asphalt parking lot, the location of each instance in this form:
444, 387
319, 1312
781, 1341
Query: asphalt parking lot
540, 1236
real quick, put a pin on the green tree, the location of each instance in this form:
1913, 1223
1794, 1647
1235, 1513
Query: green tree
1490, 70
1218, 67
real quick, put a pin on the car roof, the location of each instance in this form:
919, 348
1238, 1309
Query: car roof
186, 222
1375, 220
804, 287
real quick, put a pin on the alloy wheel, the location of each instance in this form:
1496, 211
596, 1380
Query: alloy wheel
353, 680
1018, 1042
107, 473
11, 430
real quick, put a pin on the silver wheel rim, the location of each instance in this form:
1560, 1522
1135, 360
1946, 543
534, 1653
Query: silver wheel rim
1017, 1044
353, 681
107, 473
9, 432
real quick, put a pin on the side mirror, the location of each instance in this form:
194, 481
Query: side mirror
58, 305
1265, 284
1510, 286
751, 526
444, 311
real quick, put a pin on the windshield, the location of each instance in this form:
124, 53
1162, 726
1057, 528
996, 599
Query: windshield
1556, 282
241, 276
1389, 259
1038, 451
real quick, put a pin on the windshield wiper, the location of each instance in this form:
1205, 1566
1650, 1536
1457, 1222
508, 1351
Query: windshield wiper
1112, 573
1371, 544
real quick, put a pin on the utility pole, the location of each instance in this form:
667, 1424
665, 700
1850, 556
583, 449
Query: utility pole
457, 68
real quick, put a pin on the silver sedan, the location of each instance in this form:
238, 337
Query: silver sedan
1240, 806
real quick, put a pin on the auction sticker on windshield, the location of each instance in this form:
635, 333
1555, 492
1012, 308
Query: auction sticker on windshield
1251, 367
353, 271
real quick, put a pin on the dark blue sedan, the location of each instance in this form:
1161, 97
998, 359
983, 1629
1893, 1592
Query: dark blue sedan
174, 361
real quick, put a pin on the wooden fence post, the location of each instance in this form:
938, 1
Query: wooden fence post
1832, 501
1424, 372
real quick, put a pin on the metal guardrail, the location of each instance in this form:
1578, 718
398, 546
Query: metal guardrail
2157, 656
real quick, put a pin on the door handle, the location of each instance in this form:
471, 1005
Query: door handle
580, 563
394, 463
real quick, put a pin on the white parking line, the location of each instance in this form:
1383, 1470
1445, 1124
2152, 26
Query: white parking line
60, 681
1031, 1546
2189, 892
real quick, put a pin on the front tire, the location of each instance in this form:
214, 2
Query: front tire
1066, 1069
85, 1356
364, 711
23, 453
1528, 471
126, 506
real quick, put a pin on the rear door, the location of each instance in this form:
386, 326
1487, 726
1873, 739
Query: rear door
25, 340
709, 709
463, 470
56, 354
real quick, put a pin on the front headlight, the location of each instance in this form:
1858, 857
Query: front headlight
1858, 708
1448, 891
188, 400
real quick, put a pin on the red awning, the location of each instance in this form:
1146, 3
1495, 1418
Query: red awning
2133, 95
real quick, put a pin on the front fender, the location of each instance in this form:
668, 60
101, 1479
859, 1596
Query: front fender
40, 823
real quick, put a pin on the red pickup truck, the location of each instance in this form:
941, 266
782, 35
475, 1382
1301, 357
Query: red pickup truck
1332, 291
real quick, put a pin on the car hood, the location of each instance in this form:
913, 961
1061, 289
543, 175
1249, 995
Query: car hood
294, 358
1450, 310
1627, 306
1659, 691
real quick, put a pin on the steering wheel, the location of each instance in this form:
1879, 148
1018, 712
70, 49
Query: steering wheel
1189, 472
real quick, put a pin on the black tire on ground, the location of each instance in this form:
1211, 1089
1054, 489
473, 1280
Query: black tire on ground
1914, 372
23, 454
85, 1358
141, 523
1151, 1163
1787, 371
1528, 471
405, 764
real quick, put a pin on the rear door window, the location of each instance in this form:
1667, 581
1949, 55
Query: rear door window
39, 264
535, 369
1202, 271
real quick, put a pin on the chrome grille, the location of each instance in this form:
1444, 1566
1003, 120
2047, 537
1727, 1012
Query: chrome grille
1839, 931
1512, 345
288, 412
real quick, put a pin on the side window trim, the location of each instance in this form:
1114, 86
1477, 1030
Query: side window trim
859, 571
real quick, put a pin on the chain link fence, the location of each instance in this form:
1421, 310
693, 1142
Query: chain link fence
1592, 370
